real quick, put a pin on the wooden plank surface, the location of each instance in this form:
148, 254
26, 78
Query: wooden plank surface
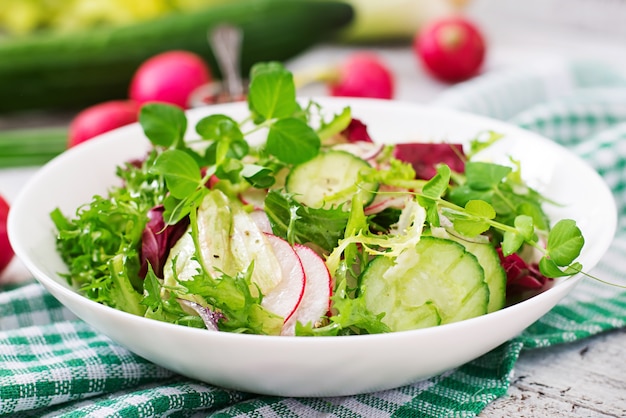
582, 379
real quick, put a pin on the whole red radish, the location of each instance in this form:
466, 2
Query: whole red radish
169, 77
101, 118
363, 74
6, 251
452, 49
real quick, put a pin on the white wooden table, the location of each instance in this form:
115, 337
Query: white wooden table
582, 379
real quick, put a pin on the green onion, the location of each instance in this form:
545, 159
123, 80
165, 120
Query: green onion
31, 147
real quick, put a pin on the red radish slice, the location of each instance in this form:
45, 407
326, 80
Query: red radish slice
285, 298
262, 221
317, 290
364, 150
253, 197
387, 197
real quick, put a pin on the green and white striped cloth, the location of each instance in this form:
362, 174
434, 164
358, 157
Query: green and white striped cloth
52, 364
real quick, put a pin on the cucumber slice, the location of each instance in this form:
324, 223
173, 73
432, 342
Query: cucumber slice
382, 296
495, 276
441, 282
330, 179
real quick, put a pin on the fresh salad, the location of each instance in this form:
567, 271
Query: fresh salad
317, 230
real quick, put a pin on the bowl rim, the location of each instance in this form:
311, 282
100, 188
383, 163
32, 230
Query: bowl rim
530, 308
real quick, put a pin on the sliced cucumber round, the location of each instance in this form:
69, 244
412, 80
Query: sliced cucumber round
441, 282
330, 179
383, 295
495, 276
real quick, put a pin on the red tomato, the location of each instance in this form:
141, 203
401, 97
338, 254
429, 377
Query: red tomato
169, 77
452, 49
6, 252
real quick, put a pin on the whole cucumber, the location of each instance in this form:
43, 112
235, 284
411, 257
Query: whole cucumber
70, 71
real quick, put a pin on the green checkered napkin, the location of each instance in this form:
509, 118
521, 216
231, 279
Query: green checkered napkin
52, 364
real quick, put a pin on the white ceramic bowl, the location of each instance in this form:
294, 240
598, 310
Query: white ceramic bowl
322, 366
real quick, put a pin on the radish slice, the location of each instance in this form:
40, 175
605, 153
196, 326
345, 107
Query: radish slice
285, 297
364, 150
388, 197
253, 197
317, 290
262, 221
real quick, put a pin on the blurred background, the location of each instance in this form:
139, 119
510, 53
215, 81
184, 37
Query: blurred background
515, 34
61, 58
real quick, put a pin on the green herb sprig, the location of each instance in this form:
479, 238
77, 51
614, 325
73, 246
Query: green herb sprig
222, 150
487, 199
564, 240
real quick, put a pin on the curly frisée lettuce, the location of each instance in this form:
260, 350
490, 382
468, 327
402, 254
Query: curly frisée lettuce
315, 231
